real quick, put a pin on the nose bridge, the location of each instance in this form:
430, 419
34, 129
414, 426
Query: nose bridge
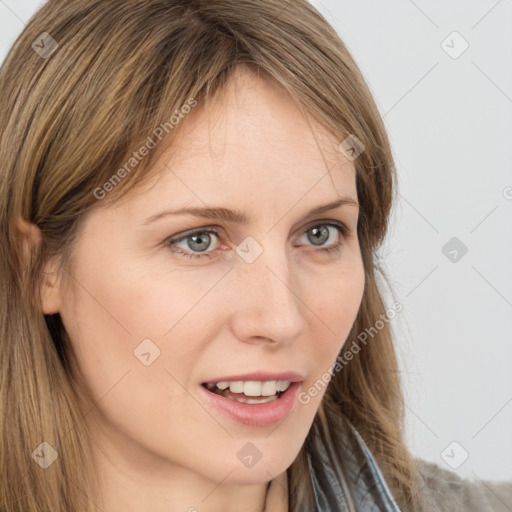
269, 306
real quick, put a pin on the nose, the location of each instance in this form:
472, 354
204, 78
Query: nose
267, 298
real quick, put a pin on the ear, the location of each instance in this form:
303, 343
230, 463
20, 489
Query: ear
29, 236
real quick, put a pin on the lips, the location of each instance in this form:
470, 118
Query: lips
260, 408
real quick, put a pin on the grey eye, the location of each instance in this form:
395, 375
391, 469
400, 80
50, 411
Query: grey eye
198, 241
319, 235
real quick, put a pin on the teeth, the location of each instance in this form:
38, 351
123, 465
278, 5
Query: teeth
269, 388
282, 385
255, 388
236, 387
252, 388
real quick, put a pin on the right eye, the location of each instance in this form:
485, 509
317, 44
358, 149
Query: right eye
196, 240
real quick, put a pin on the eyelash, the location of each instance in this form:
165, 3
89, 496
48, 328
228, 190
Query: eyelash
327, 250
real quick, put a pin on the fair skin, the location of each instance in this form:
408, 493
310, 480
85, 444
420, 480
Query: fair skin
159, 445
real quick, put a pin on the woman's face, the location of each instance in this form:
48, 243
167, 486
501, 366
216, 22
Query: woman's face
151, 319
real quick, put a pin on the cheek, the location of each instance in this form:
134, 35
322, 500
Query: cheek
336, 299
335, 308
143, 396
137, 336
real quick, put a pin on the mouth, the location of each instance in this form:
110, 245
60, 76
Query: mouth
252, 403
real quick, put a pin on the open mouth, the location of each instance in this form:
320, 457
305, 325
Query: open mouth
253, 403
250, 392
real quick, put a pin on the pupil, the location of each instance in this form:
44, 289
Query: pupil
323, 232
198, 237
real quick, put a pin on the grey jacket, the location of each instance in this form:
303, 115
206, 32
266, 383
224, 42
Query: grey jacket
441, 490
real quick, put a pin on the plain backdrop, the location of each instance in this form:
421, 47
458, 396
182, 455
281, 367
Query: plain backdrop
441, 74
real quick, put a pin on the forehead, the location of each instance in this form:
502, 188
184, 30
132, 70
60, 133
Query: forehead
254, 124
251, 145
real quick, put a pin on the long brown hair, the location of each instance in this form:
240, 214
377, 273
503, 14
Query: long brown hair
86, 84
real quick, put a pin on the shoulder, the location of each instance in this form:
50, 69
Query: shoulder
443, 490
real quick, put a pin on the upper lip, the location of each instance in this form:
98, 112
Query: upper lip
258, 376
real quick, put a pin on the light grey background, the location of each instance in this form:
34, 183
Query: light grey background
450, 124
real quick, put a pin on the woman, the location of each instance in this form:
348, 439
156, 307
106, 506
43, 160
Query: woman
161, 359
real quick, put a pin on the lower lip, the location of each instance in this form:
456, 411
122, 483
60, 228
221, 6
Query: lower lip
255, 415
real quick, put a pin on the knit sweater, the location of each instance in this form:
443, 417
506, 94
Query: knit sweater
444, 491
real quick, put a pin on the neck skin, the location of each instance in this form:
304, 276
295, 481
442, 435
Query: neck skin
131, 480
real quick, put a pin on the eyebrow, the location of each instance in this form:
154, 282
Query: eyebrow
238, 217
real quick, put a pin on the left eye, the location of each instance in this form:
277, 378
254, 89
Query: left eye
200, 240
